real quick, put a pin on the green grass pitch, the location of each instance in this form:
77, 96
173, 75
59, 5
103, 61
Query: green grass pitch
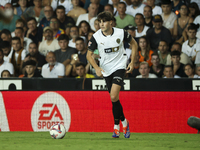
98, 141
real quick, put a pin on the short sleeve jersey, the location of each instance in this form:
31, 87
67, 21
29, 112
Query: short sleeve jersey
111, 49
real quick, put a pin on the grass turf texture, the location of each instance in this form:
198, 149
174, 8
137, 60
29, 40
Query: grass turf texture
98, 141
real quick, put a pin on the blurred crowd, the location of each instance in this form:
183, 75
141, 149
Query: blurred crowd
49, 38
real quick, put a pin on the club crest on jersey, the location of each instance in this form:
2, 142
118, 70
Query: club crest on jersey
118, 41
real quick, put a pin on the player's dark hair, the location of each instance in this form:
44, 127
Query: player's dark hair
5, 44
6, 32
175, 53
139, 14
105, 16
60, 7
111, 6
63, 37
20, 28
16, 38
80, 64
31, 18
193, 26
79, 39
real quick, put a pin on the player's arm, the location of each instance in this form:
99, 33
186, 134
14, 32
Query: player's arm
134, 48
92, 45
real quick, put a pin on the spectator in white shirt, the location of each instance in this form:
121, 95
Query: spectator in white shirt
144, 71
5, 65
136, 7
157, 10
7, 50
52, 69
66, 3
141, 29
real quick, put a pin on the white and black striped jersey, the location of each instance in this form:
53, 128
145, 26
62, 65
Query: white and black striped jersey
111, 49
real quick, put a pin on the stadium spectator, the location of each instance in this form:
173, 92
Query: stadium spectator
168, 16
144, 71
49, 43
109, 8
177, 66
157, 10
176, 5
84, 28
193, 10
7, 51
197, 70
6, 35
11, 18
96, 25
76, 11
4, 2
90, 16
33, 52
19, 32
89, 35
30, 69
21, 8
163, 51
141, 29
19, 23
71, 68
184, 58
144, 50
35, 11
82, 50
5, 74
100, 6
5, 65
192, 45
48, 13
158, 33
115, 4
18, 55
189, 71
32, 31
135, 7
80, 71
169, 73
156, 67
52, 69
65, 21
181, 23
123, 19
65, 3
148, 16
135, 71
63, 55
55, 25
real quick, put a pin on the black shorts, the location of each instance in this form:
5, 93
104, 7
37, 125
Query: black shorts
116, 77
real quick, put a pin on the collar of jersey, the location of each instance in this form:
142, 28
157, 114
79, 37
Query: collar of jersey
108, 35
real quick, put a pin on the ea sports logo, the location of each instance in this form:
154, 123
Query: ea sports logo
50, 108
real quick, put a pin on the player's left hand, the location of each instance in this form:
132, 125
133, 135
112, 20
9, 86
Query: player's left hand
130, 68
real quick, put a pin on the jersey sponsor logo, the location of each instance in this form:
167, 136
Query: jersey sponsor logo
118, 41
50, 108
110, 50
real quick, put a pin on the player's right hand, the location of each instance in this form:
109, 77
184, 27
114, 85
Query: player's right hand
99, 72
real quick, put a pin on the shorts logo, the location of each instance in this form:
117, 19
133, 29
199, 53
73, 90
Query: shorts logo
48, 109
118, 41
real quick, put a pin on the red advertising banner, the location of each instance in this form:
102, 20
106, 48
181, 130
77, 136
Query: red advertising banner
91, 111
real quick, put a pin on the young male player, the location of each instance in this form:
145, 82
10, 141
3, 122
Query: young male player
109, 41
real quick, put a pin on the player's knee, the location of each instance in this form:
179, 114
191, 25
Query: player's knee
114, 97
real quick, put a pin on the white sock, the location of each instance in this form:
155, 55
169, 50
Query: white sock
124, 123
116, 127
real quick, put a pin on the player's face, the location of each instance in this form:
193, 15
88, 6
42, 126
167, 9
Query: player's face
80, 45
175, 59
147, 12
30, 69
168, 72
144, 70
188, 70
198, 71
155, 60
80, 71
121, 8
16, 45
105, 26
63, 44
162, 47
